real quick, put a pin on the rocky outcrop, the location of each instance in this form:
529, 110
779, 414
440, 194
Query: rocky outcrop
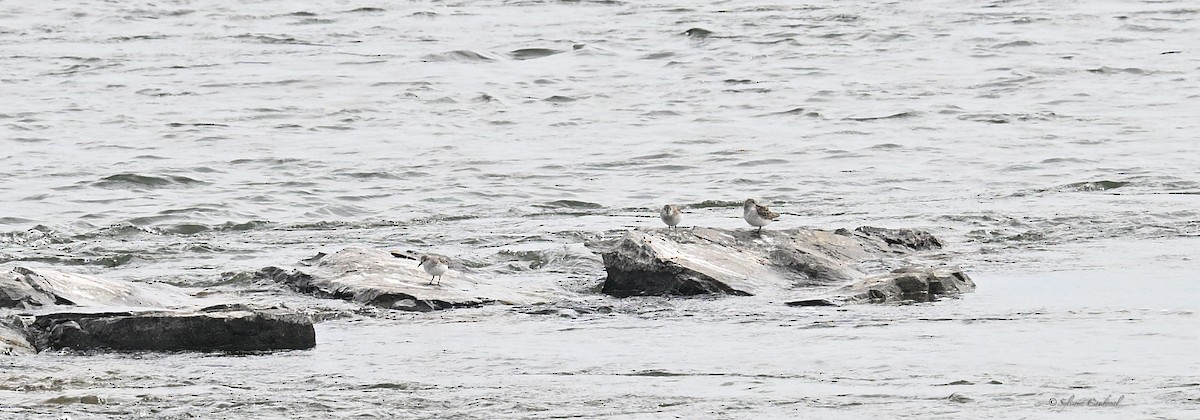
83, 312
855, 265
214, 329
379, 278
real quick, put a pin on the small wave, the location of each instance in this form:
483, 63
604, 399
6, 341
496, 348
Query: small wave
128, 180
314, 21
1008, 118
114, 231
531, 53
1006, 82
369, 175
1144, 28
708, 204
235, 227
276, 39
1114, 70
365, 10
1094, 186
886, 147
669, 168
1015, 44
763, 162
663, 113
458, 56
199, 124
108, 261
570, 204
657, 55
184, 229
896, 116
653, 156
270, 161
999, 236
841, 17
37, 236
795, 111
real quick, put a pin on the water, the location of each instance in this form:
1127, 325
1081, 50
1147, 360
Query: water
1052, 144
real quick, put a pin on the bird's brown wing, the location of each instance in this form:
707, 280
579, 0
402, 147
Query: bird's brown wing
766, 213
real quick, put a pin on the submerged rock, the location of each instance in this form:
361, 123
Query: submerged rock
205, 330
853, 265
379, 278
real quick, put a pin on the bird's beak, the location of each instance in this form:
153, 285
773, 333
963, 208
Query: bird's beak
419, 263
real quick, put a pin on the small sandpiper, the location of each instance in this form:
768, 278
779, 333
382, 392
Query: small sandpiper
671, 215
757, 215
434, 265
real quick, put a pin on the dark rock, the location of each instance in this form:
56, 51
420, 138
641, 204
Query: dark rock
812, 302
229, 330
909, 239
698, 33
394, 281
920, 284
857, 265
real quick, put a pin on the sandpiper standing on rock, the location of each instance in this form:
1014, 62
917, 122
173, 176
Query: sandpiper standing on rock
671, 215
434, 265
757, 215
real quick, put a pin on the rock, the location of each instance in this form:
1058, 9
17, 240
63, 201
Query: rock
25, 288
920, 284
13, 338
394, 281
223, 330
83, 312
857, 265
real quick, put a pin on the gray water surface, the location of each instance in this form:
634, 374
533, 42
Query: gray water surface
1053, 145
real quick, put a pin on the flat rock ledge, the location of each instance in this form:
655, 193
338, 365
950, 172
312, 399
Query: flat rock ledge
394, 281
45, 309
867, 264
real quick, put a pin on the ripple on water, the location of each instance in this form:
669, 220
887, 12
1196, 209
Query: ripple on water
570, 204
463, 56
138, 181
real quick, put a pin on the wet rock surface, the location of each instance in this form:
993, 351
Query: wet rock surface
14, 340
218, 329
30, 287
394, 281
867, 264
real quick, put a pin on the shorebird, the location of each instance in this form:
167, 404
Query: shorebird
670, 215
434, 265
757, 215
